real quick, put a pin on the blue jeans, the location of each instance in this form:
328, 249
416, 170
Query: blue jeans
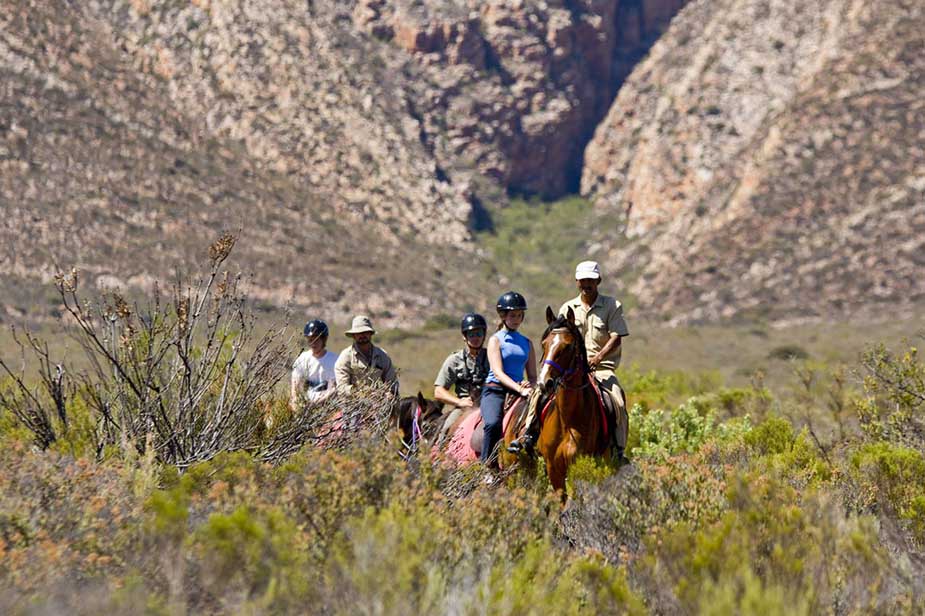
492, 408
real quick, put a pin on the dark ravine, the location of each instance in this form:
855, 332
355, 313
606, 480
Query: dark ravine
516, 89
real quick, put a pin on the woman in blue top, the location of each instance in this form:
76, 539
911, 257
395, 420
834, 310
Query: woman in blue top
509, 352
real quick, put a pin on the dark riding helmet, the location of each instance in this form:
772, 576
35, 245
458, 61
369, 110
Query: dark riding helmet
316, 328
512, 300
472, 321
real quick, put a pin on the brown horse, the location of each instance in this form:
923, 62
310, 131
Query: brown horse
573, 419
418, 419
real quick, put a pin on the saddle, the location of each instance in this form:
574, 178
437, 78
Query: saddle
462, 435
478, 435
611, 419
606, 407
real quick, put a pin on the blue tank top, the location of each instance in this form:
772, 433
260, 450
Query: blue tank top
515, 350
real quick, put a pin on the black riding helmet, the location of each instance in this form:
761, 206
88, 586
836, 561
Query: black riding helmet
316, 328
512, 300
472, 321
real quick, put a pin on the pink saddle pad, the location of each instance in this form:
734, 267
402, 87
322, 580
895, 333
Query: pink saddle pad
459, 448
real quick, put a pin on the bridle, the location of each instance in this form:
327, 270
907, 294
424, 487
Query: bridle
564, 374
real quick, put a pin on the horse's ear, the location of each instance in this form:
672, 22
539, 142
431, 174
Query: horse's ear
570, 315
550, 315
420, 400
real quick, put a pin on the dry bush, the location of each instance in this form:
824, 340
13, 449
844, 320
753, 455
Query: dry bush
181, 373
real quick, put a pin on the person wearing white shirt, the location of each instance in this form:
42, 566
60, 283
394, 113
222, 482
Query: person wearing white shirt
313, 371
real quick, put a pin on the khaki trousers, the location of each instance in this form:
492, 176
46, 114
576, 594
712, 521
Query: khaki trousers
609, 384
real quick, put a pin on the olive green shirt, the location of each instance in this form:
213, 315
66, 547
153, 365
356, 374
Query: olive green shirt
463, 371
353, 368
598, 324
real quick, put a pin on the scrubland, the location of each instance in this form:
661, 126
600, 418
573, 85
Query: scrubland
169, 477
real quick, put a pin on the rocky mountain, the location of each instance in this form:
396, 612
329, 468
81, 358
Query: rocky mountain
764, 158
344, 139
768, 159
128, 142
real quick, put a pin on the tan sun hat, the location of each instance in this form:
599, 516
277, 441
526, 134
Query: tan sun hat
588, 269
360, 324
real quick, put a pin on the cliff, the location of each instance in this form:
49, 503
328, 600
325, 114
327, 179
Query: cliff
766, 160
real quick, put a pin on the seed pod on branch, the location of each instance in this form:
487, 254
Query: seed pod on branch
221, 248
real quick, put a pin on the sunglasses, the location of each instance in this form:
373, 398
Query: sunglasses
475, 333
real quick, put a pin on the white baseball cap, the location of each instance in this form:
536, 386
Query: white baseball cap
588, 269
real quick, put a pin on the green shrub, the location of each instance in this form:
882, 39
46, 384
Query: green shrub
893, 408
253, 555
12, 429
683, 429
774, 435
895, 476
776, 549
541, 583
738, 402
660, 388
788, 352
592, 469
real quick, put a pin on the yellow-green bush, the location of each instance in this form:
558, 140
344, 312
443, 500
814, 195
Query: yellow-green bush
658, 433
739, 402
774, 435
893, 408
254, 555
776, 550
591, 469
895, 476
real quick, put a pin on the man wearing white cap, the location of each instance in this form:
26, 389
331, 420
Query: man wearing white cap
362, 362
600, 319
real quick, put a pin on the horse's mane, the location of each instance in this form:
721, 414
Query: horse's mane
562, 321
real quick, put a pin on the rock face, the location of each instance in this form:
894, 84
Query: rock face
343, 139
131, 135
767, 159
513, 90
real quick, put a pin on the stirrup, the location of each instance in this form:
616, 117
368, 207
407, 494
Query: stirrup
524, 443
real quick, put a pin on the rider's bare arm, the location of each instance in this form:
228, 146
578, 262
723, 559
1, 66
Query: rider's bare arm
444, 395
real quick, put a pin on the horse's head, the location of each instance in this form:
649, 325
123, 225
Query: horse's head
563, 350
418, 418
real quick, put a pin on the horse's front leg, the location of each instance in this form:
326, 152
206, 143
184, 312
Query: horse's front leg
565, 455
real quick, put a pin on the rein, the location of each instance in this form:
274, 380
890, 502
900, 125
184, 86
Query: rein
415, 434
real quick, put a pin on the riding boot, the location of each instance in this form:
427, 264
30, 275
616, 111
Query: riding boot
528, 439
